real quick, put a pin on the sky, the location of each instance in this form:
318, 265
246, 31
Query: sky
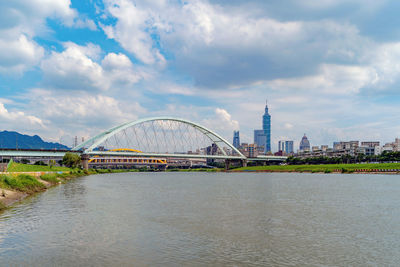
329, 68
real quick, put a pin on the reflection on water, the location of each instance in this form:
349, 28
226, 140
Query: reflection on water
193, 219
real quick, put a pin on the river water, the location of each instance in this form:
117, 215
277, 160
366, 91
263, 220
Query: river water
207, 219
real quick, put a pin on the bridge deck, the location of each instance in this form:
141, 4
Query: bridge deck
61, 153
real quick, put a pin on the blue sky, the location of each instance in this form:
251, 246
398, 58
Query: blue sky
330, 69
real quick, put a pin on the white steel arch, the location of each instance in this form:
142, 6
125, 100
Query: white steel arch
100, 138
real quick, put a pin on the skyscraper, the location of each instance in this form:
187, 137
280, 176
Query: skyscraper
259, 138
285, 146
236, 139
263, 137
267, 129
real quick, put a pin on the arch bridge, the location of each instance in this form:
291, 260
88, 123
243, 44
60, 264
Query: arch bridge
160, 137
157, 139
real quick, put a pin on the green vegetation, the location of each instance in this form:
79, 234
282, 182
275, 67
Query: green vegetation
386, 156
19, 167
52, 163
327, 168
50, 177
71, 160
22, 182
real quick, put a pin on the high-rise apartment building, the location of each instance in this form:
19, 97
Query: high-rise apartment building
370, 143
236, 139
285, 146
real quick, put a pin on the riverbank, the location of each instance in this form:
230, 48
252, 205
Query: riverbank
15, 186
326, 168
22, 180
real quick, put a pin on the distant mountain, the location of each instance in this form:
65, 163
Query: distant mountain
22, 141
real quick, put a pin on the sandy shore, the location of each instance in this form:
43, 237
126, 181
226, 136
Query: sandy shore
8, 197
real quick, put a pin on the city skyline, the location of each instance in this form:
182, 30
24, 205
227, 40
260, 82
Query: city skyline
75, 68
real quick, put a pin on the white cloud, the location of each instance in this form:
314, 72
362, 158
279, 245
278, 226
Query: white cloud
83, 114
132, 30
225, 48
19, 120
385, 60
326, 4
19, 54
85, 23
225, 118
331, 79
119, 69
221, 122
76, 69
21, 21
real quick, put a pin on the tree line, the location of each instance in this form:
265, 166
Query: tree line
386, 156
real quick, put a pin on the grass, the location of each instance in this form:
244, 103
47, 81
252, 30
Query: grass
322, 168
24, 183
50, 177
19, 167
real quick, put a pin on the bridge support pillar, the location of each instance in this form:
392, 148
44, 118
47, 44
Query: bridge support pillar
85, 161
227, 164
243, 162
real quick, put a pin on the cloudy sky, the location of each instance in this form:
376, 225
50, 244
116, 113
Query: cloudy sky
329, 68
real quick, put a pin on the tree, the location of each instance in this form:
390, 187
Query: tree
71, 160
52, 163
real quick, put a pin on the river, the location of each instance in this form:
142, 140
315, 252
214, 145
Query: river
207, 219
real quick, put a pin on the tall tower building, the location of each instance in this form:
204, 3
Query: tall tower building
267, 129
75, 141
236, 139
